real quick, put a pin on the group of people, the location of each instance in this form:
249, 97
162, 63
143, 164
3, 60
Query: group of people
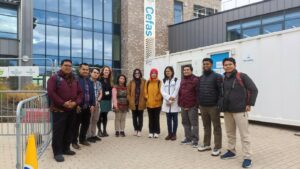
80, 105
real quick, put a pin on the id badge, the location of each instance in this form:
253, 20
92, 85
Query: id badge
107, 93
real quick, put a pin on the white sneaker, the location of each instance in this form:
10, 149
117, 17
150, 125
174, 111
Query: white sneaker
156, 135
204, 148
139, 134
150, 135
135, 133
215, 152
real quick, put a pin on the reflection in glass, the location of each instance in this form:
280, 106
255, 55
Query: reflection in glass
64, 42
87, 6
107, 46
87, 24
88, 47
108, 63
249, 24
8, 24
76, 22
76, 43
98, 5
108, 10
39, 39
272, 28
9, 11
98, 26
292, 23
272, 19
64, 20
98, 46
40, 4
52, 40
108, 28
76, 7
251, 32
65, 6
293, 15
52, 5
40, 16
52, 18
178, 11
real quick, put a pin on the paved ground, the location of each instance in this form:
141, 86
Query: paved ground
273, 149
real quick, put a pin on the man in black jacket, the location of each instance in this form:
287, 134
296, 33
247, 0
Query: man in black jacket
209, 91
240, 94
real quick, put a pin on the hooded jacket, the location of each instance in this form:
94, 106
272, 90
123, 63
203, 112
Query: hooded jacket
152, 91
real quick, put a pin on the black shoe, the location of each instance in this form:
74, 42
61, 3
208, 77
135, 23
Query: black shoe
97, 138
91, 139
76, 146
122, 133
105, 134
86, 143
59, 158
117, 134
69, 152
100, 134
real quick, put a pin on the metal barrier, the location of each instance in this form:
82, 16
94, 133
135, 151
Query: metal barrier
33, 117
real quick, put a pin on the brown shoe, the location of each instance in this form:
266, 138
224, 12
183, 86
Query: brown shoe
168, 137
173, 138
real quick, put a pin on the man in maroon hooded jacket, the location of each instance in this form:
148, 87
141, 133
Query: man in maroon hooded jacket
188, 102
65, 94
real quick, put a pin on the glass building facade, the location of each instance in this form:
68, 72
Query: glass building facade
8, 22
265, 24
85, 31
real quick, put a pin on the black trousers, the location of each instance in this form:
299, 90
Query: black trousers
62, 131
82, 120
153, 114
137, 118
102, 120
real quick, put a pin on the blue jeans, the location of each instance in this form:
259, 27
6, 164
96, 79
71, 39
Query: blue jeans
172, 117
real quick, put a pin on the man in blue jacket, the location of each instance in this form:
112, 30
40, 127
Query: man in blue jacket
85, 109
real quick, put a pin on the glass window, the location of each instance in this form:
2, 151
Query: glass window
108, 28
234, 32
200, 11
117, 29
65, 6
107, 46
76, 61
272, 28
108, 63
76, 43
249, 24
88, 47
8, 11
98, 62
272, 19
64, 20
178, 11
39, 39
9, 26
40, 16
98, 47
98, 26
52, 18
292, 23
39, 4
98, 9
87, 24
64, 42
39, 62
87, 6
52, 40
108, 10
76, 22
117, 11
293, 15
76, 7
52, 5
250, 32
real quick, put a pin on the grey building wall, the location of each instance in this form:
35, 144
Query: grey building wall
212, 29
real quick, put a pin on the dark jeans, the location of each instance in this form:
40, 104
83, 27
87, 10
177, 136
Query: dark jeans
172, 121
62, 131
102, 120
153, 114
137, 118
82, 120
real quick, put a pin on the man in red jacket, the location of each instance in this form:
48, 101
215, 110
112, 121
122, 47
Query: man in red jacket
65, 94
188, 102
